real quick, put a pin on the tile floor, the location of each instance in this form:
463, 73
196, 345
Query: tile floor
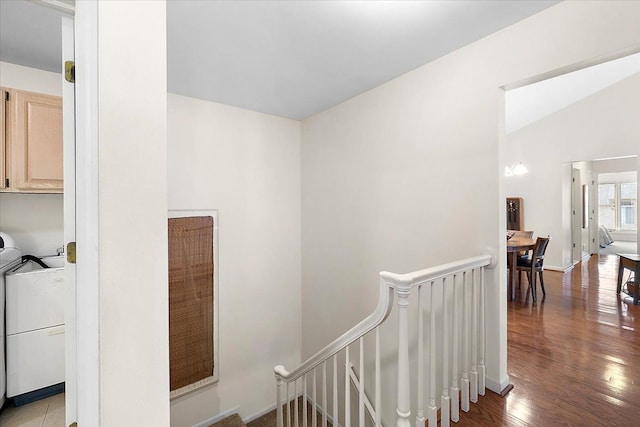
47, 412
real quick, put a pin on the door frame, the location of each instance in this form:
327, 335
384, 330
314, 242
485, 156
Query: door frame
69, 196
87, 226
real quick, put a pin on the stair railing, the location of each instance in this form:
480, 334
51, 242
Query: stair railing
461, 304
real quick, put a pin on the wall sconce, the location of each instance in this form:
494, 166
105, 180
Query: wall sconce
515, 169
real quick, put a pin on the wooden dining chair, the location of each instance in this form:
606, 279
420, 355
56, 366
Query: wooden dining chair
534, 264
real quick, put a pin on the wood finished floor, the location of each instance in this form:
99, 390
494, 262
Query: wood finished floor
574, 356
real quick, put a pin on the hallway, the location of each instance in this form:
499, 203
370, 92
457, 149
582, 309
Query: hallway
574, 356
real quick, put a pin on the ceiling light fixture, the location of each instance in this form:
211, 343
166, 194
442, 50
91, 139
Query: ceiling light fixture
516, 169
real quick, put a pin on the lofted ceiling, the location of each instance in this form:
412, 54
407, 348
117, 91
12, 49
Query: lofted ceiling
288, 58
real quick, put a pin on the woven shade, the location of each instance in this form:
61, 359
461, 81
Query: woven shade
190, 300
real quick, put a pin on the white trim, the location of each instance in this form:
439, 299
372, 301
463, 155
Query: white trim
69, 196
219, 417
497, 386
87, 215
65, 6
560, 269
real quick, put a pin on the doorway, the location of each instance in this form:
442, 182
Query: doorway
552, 124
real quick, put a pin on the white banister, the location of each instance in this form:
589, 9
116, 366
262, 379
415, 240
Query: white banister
404, 404
473, 393
432, 410
482, 378
288, 406
459, 314
314, 409
444, 399
305, 404
279, 398
295, 405
361, 385
420, 419
324, 394
464, 404
347, 390
455, 391
378, 417
335, 389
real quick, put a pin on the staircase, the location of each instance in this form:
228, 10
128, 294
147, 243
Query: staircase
354, 379
231, 421
268, 419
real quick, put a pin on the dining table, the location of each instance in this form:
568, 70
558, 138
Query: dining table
514, 246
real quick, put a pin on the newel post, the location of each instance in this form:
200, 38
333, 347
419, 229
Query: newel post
279, 415
404, 400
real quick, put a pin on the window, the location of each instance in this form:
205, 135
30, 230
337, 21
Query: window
617, 205
628, 205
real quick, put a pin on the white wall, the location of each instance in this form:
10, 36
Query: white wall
133, 312
33, 220
603, 125
247, 165
409, 174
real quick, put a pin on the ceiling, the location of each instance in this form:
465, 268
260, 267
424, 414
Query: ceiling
288, 58
528, 104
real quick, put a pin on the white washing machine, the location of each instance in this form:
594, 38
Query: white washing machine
35, 329
10, 256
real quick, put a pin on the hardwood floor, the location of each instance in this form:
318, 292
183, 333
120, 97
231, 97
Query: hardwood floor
574, 356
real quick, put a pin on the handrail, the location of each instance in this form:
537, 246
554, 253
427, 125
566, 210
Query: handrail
378, 316
416, 278
388, 283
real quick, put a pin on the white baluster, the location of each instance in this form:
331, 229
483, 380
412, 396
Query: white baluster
296, 421
314, 414
305, 401
482, 373
335, 390
432, 410
279, 416
324, 394
347, 390
444, 399
465, 345
288, 406
474, 339
404, 393
378, 407
361, 387
420, 411
455, 391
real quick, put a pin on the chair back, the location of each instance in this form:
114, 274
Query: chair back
539, 249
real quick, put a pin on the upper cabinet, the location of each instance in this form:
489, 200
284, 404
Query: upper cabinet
32, 143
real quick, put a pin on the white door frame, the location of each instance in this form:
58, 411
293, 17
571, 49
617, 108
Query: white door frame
69, 148
87, 226
576, 216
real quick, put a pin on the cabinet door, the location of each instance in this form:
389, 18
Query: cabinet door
3, 139
36, 149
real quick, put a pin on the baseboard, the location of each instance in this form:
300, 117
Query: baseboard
560, 269
220, 416
497, 386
